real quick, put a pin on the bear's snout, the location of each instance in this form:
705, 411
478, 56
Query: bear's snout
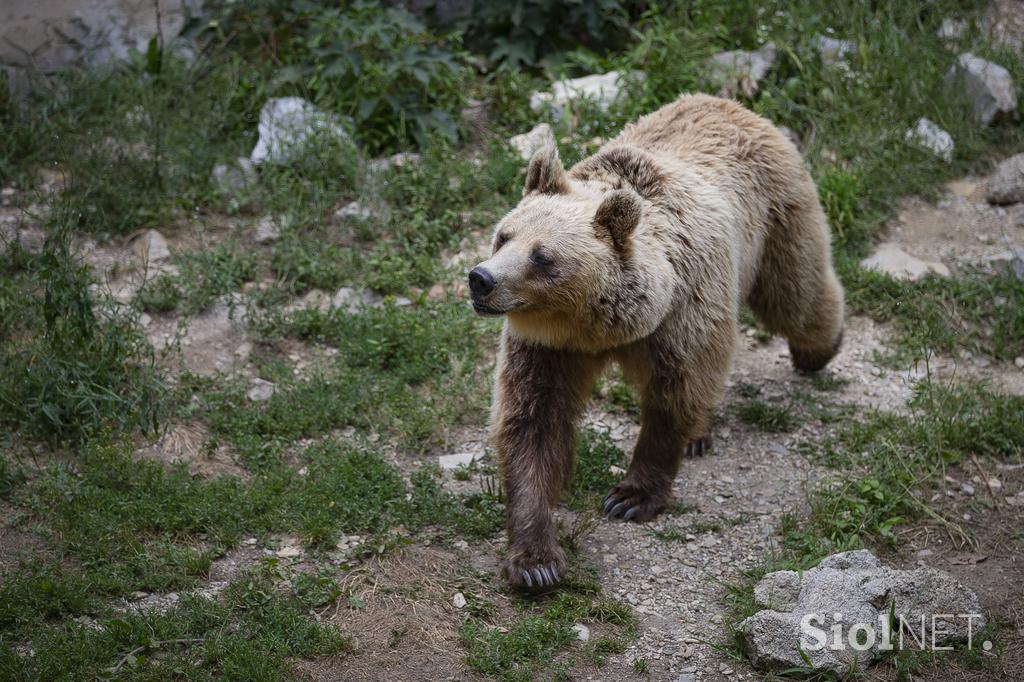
481, 282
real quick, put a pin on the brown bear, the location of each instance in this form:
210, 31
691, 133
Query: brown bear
643, 254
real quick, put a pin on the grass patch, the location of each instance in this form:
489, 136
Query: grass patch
593, 478
542, 630
202, 277
253, 634
979, 312
72, 363
769, 418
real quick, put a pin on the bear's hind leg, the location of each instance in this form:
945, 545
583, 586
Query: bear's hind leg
797, 293
675, 414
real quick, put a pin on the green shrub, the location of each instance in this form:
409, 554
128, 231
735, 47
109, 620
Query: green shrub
70, 364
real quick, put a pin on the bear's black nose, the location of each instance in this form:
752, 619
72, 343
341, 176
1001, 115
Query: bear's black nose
481, 282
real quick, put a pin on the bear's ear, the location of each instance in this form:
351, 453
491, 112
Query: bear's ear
545, 173
617, 217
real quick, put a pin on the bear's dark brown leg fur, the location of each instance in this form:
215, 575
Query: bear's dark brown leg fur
674, 418
541, 394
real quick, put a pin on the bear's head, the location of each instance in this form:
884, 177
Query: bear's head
569, 265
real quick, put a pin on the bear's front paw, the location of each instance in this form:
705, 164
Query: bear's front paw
632, 503
534, 568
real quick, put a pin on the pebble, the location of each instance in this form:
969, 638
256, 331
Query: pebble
582, 632
459, 600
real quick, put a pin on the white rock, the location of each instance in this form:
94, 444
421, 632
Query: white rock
616, 470
267, 230
235, 177
894, 261
152, 247
351, 210
529, 143
1019, 361
582, 632
989, 87
260, 391
287, 125
600, 88
289, 552
933, 138
400, 160
351, 300
739, 71
1006, 184
833, 50
458, 459
459, 600
952, 29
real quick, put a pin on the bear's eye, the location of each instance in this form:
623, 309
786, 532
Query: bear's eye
541, 259
500, 241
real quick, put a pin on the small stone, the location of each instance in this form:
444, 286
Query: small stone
951, 29
527, 144
967, 489
289, 552
994, 484
616, 470
988, 85
267, 230
1019, 361
260, 391
462, 545
875, 371
833, 50
899, 264
399, 160
932, 137
249, 541
234, 178
1006, 184
582, 632
352, 210
139, 594
459, 600
739, 71
153, 247
457, 460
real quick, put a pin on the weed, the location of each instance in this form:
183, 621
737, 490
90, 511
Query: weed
74, 364
593, 477
769, 418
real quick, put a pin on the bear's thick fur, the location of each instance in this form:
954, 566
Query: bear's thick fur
642, 254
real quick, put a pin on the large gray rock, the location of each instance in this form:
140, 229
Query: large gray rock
49, 36
1006, 184
288, 125
897, 263
853, 591
741, 72
988, 86
600, 88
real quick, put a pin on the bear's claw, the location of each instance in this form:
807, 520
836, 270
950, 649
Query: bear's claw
531, 573
545, 576
698, 447
632, 505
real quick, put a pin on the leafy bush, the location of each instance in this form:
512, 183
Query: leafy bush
382, 67
69, 366
531, 32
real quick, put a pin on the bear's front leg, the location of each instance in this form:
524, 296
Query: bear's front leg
539, 396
